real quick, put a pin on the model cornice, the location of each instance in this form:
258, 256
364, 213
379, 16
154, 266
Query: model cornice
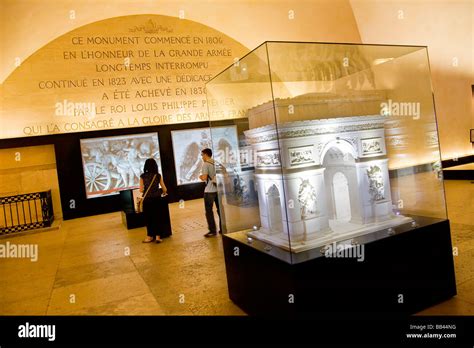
311, 99
315, 127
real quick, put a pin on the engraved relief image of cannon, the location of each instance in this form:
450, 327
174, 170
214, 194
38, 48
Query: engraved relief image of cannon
112, 164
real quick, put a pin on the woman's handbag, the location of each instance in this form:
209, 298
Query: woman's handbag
141, 199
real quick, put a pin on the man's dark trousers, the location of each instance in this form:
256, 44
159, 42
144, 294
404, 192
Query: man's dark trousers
209, 199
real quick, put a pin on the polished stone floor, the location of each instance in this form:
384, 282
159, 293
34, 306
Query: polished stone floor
95, 266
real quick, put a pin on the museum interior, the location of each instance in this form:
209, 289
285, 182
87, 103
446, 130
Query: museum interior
342, 135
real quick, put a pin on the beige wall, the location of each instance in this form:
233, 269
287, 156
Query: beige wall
446, 27
30, 169
27, 25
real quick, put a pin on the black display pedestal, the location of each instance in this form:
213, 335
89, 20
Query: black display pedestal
130, 218
133, 220
401, 274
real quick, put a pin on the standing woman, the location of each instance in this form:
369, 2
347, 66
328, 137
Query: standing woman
151, 180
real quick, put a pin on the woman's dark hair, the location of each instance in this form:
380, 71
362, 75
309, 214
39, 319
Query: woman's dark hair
150, 166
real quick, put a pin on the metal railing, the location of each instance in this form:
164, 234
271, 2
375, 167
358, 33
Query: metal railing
26, 212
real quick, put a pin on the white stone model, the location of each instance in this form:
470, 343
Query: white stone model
321, 181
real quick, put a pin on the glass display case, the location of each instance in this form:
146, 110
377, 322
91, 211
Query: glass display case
337, 146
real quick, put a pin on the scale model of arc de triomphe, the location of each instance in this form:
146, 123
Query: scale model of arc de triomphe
318, 177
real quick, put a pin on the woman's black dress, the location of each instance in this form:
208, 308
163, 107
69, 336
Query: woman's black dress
155, 208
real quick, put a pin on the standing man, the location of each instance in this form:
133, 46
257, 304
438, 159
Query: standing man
208, 175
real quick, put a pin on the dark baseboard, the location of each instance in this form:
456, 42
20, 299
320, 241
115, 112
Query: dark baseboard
461, 173
421, 168
428, 167
457, 162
